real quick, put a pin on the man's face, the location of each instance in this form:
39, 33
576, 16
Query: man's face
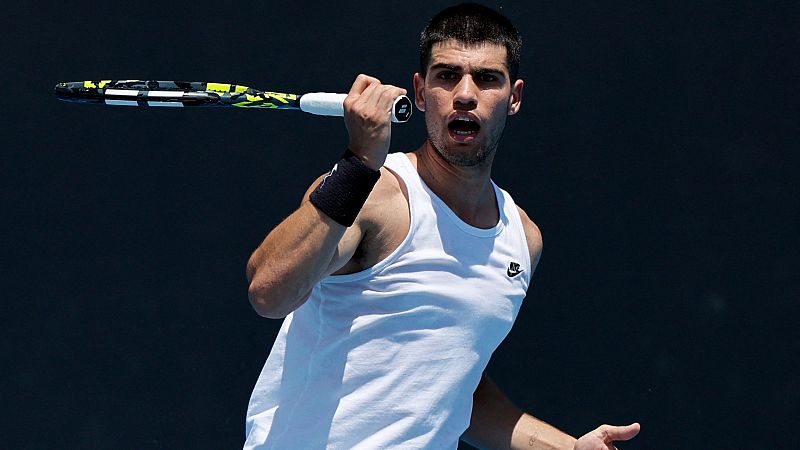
467, 95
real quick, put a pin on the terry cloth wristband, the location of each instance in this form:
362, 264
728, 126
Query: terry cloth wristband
343, 192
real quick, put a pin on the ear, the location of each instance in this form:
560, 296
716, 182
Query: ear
419, 91
515, 101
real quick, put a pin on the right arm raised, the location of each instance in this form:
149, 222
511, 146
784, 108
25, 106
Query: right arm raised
308, 245
302, 250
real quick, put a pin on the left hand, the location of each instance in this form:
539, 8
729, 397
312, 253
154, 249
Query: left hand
604, 436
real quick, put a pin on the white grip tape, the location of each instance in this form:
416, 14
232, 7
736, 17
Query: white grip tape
323, 103
327, 104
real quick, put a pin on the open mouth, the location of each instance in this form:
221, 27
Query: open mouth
463, 128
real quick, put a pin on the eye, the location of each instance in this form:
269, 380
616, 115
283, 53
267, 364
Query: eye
446, 75
487, 77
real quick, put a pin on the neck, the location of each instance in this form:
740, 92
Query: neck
467, 190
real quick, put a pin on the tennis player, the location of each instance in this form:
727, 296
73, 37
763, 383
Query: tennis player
401, 273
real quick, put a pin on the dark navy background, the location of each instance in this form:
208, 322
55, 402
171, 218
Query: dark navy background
656, 149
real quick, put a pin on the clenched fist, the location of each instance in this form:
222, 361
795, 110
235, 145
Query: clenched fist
368, 118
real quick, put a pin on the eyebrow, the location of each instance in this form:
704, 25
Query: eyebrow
455, 68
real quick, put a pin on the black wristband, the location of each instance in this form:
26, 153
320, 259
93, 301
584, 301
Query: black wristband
343, 192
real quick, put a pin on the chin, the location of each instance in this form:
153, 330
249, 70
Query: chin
458, 155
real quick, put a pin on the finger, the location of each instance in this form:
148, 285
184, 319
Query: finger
377, 100
370, 93
391, 93
388, 96
362, 82
609, 433
360, 92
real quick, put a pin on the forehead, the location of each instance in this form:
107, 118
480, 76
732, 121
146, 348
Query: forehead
485, 55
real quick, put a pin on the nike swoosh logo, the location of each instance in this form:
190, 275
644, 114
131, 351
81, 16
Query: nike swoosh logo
513, 270
335, 167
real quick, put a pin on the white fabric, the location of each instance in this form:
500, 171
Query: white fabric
390, 357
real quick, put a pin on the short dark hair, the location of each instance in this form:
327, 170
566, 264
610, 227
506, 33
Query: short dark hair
471, 23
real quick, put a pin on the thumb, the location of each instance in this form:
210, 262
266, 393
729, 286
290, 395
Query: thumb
610, 433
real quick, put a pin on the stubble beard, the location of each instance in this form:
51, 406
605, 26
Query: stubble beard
468, 159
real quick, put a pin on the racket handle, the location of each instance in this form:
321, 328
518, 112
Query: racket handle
327, 104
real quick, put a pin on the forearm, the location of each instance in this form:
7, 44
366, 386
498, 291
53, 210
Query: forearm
295, 256
534, 434
498, 424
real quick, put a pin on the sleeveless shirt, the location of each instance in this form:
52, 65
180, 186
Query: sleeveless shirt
390, 357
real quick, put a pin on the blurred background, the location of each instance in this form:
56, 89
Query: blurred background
657, 149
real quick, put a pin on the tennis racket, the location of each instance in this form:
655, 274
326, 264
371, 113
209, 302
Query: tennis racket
199, 94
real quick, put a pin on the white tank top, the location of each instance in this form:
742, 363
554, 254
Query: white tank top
390, 357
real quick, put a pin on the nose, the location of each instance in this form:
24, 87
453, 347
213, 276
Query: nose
465, 96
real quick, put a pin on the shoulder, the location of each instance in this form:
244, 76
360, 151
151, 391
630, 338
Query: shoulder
381, 225
387, 200
387, 186
388, 193
533, 236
